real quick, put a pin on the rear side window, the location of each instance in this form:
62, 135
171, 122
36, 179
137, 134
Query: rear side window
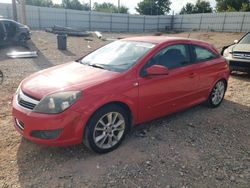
202, 54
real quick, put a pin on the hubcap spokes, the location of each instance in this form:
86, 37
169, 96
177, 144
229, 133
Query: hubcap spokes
109, 130
218, 93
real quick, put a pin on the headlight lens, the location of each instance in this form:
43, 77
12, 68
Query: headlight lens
18, 89
226, 53
57, 102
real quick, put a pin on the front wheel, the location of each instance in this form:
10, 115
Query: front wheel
106, 129
217, 94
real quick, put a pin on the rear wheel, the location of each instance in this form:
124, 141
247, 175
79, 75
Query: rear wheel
106, 129
217, 94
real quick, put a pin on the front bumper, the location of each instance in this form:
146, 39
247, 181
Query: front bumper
28, 35
239, 64
68, 125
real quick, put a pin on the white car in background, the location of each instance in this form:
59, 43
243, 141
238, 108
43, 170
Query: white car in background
238, 54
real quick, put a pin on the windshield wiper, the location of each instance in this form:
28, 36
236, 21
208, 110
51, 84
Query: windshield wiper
93, 65
96, 66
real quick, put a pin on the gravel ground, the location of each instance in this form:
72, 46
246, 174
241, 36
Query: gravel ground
198, 147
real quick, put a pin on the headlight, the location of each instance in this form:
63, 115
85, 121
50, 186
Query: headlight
18, 89
226, 53
57, 102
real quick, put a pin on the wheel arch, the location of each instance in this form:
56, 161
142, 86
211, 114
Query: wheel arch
223, 78
125, 107
121, 104
118, 103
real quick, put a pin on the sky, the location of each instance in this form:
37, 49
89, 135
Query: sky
131, 4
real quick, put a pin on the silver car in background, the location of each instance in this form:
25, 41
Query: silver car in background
238, 54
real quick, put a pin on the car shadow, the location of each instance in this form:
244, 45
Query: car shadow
241, 76
45, 165
41, 61
8, 48
67, 52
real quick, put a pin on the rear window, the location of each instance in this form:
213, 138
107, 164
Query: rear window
202, 54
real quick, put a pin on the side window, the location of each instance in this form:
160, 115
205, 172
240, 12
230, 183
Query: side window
202, 54
173, 56
2, 33
10, 28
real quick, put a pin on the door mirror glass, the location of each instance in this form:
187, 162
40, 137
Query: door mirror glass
156, 70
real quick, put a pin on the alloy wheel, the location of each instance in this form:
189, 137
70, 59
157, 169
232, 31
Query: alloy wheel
109, 130
218, 92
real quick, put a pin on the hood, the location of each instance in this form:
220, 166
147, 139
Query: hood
21, 26
240, 48
70, 76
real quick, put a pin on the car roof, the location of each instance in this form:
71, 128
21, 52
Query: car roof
163, 39
4, 19
158, 40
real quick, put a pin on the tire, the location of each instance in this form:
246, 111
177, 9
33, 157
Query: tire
106, 129
217, 94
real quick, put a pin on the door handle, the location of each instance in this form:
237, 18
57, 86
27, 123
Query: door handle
192, 75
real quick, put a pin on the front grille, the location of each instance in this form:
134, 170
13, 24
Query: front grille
26, 101
19, 124
241, 55
239, 64
27, 104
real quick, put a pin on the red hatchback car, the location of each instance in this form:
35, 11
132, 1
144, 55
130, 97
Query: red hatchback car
98, 98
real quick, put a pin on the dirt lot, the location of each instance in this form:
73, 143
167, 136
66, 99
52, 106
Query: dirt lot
199, 147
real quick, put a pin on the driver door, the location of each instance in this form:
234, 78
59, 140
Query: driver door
3, 34
163, 94
11, 29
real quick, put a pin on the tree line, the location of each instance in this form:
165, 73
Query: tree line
77, 5
150, 7
203, 6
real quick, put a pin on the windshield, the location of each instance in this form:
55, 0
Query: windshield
245, 39
117, 56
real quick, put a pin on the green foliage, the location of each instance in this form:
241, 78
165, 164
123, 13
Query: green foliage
110, 8
232, 5
123, 10
68, 4
245, 7
74, 4
57, 6
201, 6
41, 3
188, 9
153, 7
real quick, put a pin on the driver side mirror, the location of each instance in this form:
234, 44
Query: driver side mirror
157, 70
236, 41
